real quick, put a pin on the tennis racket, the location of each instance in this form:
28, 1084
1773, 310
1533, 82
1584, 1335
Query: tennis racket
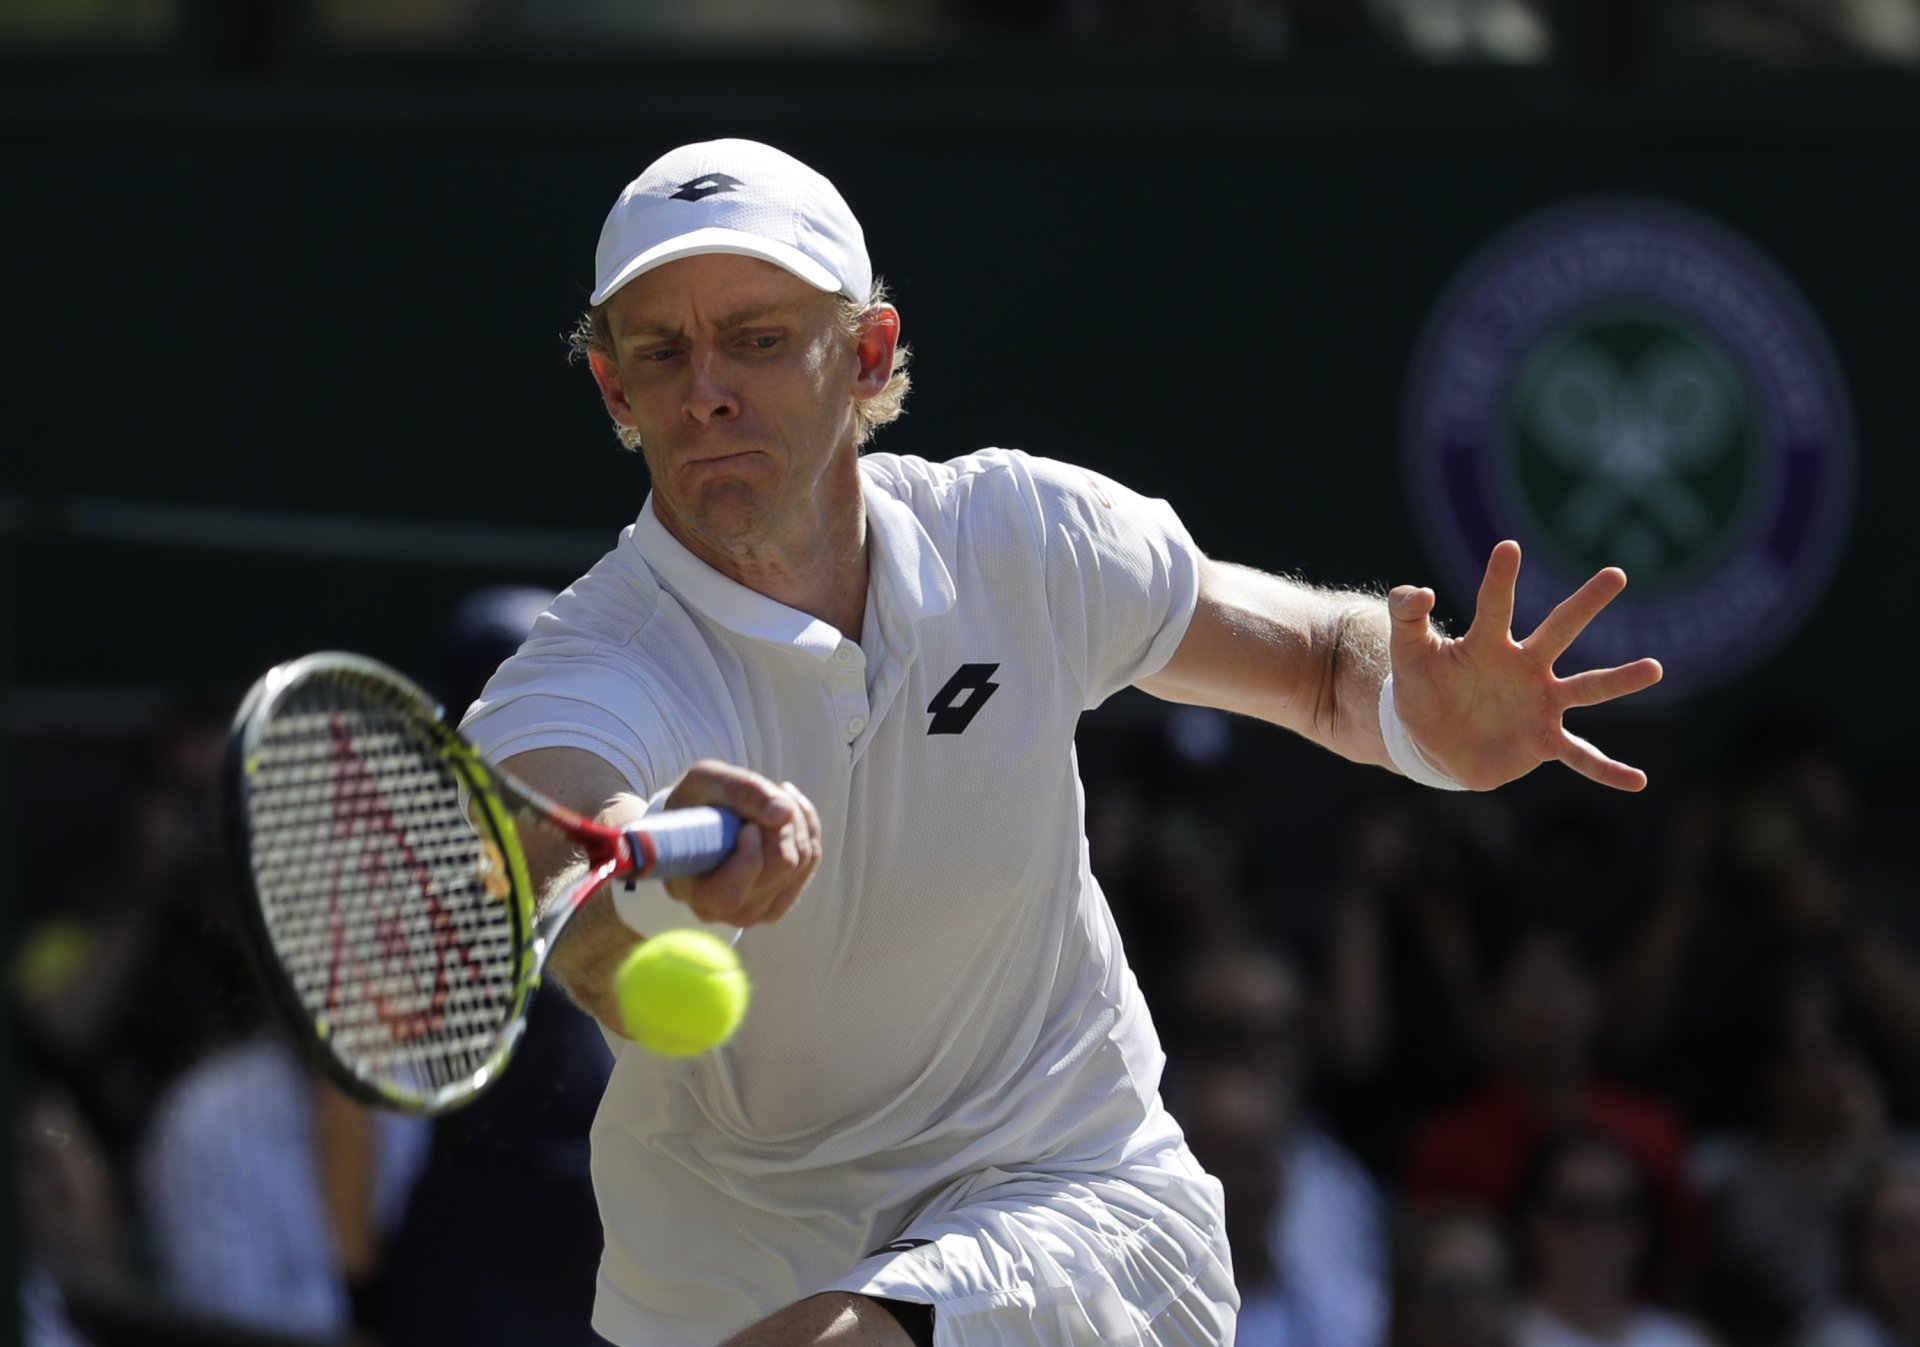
388, 900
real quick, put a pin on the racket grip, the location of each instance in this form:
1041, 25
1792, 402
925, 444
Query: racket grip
682, 841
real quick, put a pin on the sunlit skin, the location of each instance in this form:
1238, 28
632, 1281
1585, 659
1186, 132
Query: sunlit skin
1487, 706
743, 386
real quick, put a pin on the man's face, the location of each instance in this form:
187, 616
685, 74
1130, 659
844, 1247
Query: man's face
1460, 1293
741, 383
1590, 1225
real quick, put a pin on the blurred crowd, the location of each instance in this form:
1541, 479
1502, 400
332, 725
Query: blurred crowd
1617, 37
1512, 1079
187, 1181
1474, 1073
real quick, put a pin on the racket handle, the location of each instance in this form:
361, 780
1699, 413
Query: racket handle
682, 841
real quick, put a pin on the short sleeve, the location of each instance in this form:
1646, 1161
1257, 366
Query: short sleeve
547, 698
1122, 576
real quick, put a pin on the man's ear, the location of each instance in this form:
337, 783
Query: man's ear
875, 348
612, 392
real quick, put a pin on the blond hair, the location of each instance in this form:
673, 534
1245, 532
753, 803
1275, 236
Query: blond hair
592, 333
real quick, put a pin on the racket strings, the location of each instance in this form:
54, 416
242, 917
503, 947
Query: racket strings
390, 913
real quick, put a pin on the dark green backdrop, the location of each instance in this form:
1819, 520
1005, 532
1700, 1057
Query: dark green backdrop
347, 300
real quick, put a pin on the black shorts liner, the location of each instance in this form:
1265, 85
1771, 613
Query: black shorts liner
915, 1318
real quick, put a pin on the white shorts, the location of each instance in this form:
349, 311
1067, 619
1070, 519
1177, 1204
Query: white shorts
1135, 1256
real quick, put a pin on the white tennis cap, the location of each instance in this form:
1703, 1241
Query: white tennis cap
733, 196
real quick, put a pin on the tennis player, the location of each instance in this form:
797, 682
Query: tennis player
941, 1120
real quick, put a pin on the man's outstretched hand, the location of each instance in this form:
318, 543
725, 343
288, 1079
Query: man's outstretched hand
1488, 709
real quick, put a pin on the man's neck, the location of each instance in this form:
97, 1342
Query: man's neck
828, 581
822, 572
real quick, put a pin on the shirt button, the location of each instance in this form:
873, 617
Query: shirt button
843, 655
857, 724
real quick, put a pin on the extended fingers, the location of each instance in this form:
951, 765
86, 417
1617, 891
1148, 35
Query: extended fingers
1591, 763
1570, 616
1410, 605
1493, 609
1409, 632
1604, 685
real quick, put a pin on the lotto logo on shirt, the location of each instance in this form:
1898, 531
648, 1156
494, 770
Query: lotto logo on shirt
1625, 382
954, 706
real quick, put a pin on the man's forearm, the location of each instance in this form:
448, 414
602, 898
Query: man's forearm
596, 940
590, 949
1309, 659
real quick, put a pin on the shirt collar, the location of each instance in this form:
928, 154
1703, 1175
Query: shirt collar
902, 562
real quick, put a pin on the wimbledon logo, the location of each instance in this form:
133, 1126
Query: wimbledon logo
1623, 382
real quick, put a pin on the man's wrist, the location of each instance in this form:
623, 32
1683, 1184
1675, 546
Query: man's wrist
1406, 755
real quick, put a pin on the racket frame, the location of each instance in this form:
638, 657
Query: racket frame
678, 842
531, 938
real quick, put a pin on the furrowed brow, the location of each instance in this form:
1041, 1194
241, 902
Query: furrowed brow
752, 313
633, 331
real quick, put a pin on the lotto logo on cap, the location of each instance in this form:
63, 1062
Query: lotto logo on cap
733, 196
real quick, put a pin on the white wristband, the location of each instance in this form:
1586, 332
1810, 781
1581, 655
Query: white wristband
1406, 754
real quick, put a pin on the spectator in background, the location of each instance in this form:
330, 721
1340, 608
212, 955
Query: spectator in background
1169, 830
1790, 33
1234, 1123
1421, 897
73, 1215
235, 1182
1444, 32
1452, 1281
1541, 1028
1584, 874
1590, 1246
131, 978
1767, 876
1304, 1219
135, 992
1453, 32
1883, 1264
485, 627
1775, 1194
239, 1181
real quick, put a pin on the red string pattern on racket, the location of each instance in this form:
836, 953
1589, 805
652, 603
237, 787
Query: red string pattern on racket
372, 883
371, 839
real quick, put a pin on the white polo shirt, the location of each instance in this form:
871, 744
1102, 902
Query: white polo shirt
949, 996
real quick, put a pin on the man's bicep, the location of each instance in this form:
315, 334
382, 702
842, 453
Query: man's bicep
578, 779
1260, 645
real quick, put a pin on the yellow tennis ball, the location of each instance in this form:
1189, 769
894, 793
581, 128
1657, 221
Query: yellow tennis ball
681, 992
